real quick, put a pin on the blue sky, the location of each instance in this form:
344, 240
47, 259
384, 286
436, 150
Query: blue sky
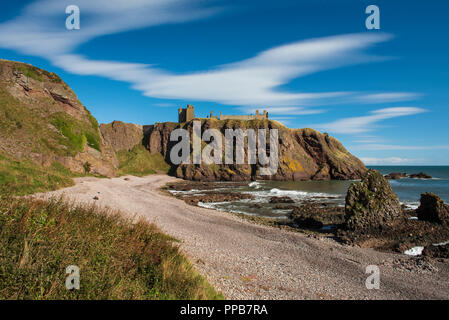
383, 93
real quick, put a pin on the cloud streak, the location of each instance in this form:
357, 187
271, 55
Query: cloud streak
248, 83
356, 125
388, 161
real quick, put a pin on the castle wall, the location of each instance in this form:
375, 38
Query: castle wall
243, 117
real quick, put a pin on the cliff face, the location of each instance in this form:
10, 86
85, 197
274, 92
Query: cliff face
304, 154
41, 119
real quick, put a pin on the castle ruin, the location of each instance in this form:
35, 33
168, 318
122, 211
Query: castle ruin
188, 114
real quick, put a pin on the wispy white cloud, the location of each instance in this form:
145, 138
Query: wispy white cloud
388, 161
382, 147
356, 125
385, 97
40, 29
252, 82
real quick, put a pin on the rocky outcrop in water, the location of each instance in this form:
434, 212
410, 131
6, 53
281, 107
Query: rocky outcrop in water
420, 175
433, 209
371, 204
396, 175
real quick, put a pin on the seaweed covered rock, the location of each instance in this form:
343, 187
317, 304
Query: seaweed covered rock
371, 204
433, 209
312, 215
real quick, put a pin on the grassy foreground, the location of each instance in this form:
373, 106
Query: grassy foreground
26, 177
118, 259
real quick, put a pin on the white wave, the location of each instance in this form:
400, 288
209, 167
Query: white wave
184, 192
255, 185
441, 243
301, 194
411, 205
415, 251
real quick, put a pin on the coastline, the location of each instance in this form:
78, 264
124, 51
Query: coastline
245, 260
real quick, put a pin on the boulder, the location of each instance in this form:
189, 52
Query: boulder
371, 204
433, 209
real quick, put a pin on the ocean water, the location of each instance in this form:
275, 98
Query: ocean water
409, 190
331, 192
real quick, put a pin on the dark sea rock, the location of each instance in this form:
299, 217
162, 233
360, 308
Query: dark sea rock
441, 251
281, 200
433, 209
371, 204
396, 175
312, 215
420, 175
216, 197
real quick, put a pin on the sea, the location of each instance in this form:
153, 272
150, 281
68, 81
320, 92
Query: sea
330, 192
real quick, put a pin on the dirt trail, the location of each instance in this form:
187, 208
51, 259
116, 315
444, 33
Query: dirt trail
249, 261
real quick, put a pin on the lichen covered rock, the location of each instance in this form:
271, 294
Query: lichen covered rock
371, 204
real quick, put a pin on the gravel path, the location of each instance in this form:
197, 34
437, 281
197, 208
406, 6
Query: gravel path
249, 261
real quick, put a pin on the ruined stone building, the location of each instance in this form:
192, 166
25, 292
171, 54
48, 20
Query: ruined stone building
188, 114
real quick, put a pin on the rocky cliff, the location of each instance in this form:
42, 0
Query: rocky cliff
304, 154
41, 119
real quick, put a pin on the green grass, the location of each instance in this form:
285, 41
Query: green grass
76, 132
30, 72
26, 177
139, 162
118, 259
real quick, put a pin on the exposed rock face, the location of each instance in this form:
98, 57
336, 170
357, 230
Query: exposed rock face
121, 136
304, 154
433, 209
45, 122
371, 204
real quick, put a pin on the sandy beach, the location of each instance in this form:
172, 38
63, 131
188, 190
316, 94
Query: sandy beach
249, 261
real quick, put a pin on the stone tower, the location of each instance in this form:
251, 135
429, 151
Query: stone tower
187, 114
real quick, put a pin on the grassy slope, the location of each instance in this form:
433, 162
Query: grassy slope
118, 259
28, 129
139, 162
25, 177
